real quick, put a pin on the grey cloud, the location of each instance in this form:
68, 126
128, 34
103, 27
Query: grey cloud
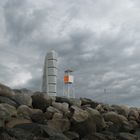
99, 40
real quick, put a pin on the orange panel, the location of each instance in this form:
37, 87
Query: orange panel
66, 79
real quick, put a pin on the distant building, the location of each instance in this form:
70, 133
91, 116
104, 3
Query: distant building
49, 82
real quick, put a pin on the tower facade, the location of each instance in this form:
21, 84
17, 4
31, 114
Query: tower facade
68, 89
49, 83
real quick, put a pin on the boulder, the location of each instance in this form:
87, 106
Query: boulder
23, 99
59, 136
97, 118
70, 101
59, 124
81, 122
7, 111
39, 118
127, 136
16, 121
6, 91
26, 112
85, 101
57, 116
20, 134
133, 115
122, 110
72, 135
64, 107
7, 100
114, 117
41, 101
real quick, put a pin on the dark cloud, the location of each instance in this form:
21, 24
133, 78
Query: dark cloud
98, 39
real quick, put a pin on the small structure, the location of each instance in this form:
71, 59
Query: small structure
49, 84
68, 90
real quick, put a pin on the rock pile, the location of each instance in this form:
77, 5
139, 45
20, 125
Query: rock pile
36, 116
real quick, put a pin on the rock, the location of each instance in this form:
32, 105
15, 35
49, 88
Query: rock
133, 123
114, 117
133, 115
127, 136
64, 107
57, 116
97, 118
81, 122
5, 136
79, 115
72, 135
85, 101
122, 110
95, 136
39, 118
49, 115
26, 112
23, 99
8, 101
15, 122
2, 123
6, 91
20, 134
59, 124
7, 111
41, 101
70, 101
59, 136
39, 130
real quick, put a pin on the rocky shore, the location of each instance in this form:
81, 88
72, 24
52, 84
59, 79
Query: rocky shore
35, 116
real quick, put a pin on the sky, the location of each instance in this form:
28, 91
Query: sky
98, 39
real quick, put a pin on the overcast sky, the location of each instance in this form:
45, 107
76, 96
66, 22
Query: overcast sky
98, 39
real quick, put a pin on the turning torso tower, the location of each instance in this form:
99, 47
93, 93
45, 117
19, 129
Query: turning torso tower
49, 83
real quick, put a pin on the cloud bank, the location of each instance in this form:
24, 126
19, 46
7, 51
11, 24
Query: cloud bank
98, 39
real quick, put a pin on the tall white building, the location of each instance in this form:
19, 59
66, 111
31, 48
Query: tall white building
49, 84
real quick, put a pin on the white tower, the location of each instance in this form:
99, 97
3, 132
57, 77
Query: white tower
68, 89
49, 84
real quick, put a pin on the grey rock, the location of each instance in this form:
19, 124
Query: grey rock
23, 99
70, 101
41, 101
127, 136
7, 111
6, 91
64, 107
72, 135
8, 101
59, 136
60, 124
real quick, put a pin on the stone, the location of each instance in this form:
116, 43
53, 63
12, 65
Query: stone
16, 121
20, 134
114, 117
81, 122
26, 112
72, 135
97, 118
85, 101
122, 110
95, 136
41, 101
59, 124
6, 91
7, 111
23, 99
70, 101
127, 136
59, 136
39, 118
5, 136
64, 107
57, 116
133, 115
79, 115
7, 100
